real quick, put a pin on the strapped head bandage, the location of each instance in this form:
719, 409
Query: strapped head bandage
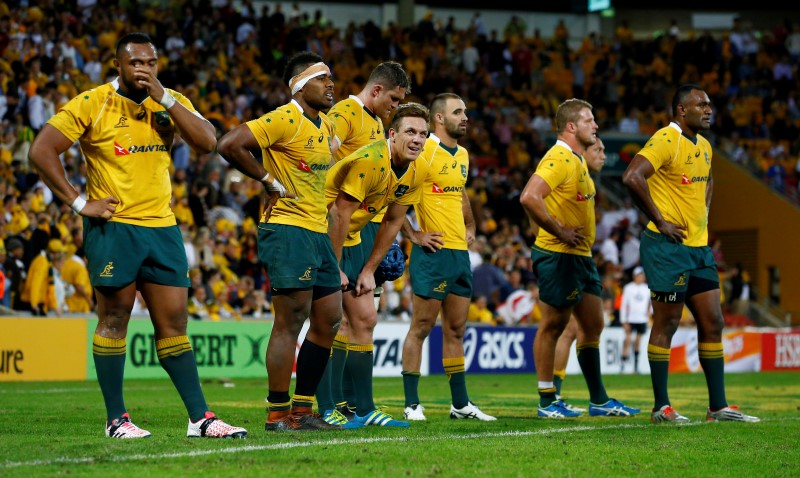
297, 82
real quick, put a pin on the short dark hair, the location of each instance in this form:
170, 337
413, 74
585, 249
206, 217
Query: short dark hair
682, 93
409, 110
437, 105
299, 62
391, 75
137, 38
569, 112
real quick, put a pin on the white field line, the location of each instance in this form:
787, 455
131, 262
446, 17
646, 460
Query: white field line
320, 443
70, 390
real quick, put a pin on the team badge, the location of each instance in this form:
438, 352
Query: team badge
162, 118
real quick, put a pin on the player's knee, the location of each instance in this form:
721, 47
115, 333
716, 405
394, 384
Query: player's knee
421, 327
454, 331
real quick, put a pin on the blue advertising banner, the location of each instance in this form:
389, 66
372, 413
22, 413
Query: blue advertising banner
489, 349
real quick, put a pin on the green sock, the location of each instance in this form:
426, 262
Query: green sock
411, 387
659, 374
558, 379
712, 359
278, 401
312, 360
456, 375
359, 359
589, 360
109, 360
337, 361
547, 395
177, 358
329, 390
348, 387
325, 399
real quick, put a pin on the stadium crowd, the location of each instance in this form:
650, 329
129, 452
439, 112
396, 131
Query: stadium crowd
228, 62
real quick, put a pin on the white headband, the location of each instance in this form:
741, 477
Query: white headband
297, 82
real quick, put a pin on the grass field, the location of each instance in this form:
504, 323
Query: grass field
56, 429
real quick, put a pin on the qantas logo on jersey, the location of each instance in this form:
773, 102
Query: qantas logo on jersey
119, 150
304, 166
368, 208
447, 189
694, 179
584, 197
453, 189
148, 148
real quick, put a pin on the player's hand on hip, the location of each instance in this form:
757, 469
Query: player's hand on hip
676, 232
343, 279
269, 202
470, 237
430, 241
100, 208
571, 236
365, 283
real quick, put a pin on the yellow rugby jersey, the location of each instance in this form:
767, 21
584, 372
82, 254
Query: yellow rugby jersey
440, 208
127, 148
355, 126
297, 151
571, 200
678, 187
367, 175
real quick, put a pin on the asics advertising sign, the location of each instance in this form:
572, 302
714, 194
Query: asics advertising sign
489, 349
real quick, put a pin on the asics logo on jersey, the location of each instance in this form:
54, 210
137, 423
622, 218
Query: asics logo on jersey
122, 123
681, 280
321, 137
306, 275
455, 163
441, 287
573, 295
107, 270
697, 154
